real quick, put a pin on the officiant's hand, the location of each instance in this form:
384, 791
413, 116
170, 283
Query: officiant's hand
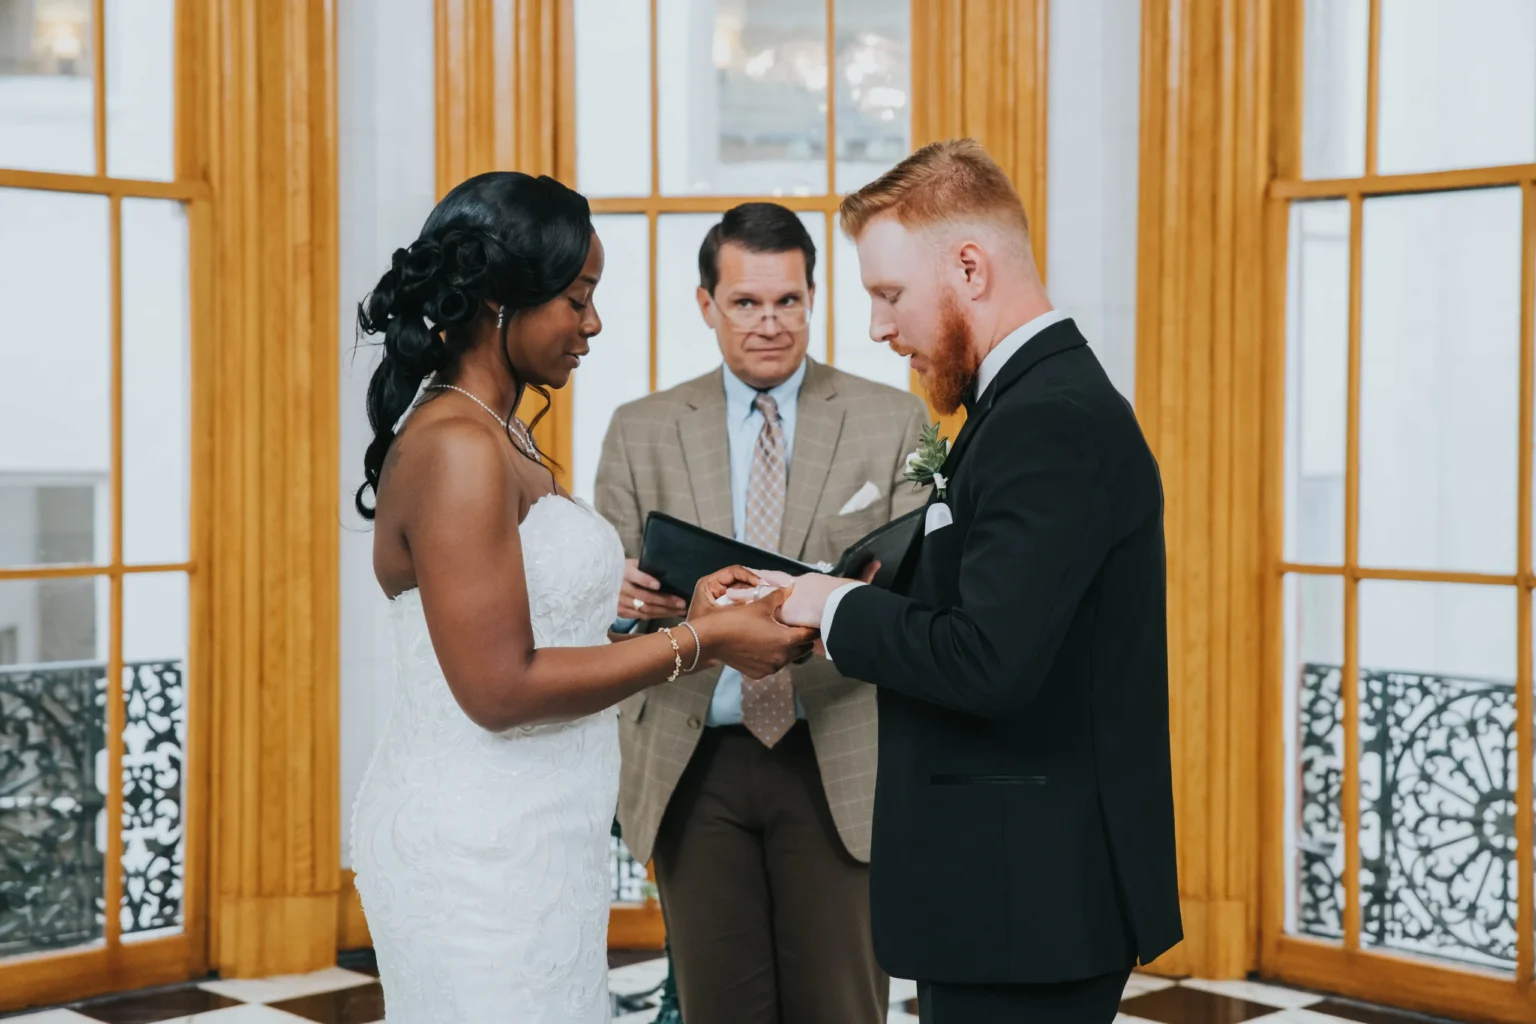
640, 596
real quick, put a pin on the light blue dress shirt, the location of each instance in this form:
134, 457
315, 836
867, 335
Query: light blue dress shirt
742, 424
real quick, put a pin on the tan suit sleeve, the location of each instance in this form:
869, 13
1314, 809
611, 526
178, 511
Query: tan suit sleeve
615, 494
905, 495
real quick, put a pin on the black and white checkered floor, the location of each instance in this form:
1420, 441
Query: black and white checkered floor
351, 995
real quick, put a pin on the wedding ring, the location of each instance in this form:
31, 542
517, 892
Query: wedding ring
637, 603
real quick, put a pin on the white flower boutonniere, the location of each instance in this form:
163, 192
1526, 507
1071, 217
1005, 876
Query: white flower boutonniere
924, 464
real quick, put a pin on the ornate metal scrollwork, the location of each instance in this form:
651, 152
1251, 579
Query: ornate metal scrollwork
52, 773
1437, 813
51, 739
154, 745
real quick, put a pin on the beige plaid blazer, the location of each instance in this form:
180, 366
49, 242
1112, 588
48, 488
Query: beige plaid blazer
669, 453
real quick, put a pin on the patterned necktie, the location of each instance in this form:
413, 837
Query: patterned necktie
767, 705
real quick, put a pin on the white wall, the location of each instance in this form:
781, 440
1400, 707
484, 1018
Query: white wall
1091, 187
386, 168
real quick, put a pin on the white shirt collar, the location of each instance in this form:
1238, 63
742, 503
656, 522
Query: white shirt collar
993, 364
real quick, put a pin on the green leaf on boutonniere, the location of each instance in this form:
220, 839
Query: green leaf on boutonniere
923, 465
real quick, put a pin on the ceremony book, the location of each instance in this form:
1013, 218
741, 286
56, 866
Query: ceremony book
678, 554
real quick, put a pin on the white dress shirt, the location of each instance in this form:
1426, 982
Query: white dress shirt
986, 373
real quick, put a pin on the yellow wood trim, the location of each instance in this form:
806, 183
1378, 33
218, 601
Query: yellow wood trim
1285, 62
54, 572
1407, 575
272, 672
1525, 786
80, 974
116, 713
1373, 88
1403, 981
99, 83
633, 926
351, 924
1349, 792
268, 935
89, 184
1398, 184
1203, 369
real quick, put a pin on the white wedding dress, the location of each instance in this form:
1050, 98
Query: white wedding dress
482, 858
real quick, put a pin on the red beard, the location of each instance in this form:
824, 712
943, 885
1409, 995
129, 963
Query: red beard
952, 365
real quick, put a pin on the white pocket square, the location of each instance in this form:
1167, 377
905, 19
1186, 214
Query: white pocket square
937, 517
862, 498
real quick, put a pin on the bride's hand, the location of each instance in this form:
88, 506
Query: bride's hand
751, 639
711, 588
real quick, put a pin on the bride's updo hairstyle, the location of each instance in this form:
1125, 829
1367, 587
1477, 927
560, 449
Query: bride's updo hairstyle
505, 238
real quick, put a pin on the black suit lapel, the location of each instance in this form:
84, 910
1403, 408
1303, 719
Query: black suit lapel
1054, 340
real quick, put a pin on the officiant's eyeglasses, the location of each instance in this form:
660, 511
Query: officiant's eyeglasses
749, 316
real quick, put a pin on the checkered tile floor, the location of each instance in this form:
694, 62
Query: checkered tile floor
351, 995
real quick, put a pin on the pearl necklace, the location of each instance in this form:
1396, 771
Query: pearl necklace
523, 439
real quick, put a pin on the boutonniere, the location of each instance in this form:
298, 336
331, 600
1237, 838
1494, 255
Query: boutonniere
924, 464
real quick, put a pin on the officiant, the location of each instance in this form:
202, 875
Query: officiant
753, 798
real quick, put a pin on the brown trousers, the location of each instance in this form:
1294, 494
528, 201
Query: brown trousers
767, 914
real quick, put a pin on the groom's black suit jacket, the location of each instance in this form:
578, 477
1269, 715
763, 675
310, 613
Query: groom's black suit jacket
1023, 824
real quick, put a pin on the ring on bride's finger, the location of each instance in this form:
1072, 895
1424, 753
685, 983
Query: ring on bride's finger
638, 603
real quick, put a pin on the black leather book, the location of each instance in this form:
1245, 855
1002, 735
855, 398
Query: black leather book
679, 553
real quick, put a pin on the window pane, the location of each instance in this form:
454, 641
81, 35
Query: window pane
1314, 756
155, 618
1439, 397
1317, 358
618, 370
1437, 770
55, 427
52, 762
1337, 37
686, 347
743, 96
874, 89
47, 100
613, 97
1458, 85
141, 88
855, 352
157, 385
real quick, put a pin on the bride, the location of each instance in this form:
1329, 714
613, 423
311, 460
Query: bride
481, 828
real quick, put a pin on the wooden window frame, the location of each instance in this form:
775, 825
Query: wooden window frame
112, 964
1345, 967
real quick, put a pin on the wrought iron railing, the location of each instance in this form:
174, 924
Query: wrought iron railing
1437, 813
53, 802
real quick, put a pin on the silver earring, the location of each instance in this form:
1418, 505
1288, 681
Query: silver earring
501, 317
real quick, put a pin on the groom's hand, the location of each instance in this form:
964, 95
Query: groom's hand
809, 598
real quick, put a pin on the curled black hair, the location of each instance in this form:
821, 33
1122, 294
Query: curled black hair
502, 237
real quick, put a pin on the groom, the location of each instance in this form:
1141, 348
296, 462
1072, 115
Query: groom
1023, 856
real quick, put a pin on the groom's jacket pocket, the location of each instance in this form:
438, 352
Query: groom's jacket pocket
986, 780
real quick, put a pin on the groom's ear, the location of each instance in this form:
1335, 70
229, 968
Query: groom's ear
976, 268
706, 307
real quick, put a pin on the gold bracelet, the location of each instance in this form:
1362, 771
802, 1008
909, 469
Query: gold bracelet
698, 645
677, 656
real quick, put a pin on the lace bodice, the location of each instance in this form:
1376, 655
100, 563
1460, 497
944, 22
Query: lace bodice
482, 857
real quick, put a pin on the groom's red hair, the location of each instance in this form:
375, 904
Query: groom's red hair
944, 182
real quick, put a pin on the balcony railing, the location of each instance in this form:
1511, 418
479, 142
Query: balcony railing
1437, 813
53, 770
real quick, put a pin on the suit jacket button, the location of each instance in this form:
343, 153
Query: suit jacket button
693, 723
